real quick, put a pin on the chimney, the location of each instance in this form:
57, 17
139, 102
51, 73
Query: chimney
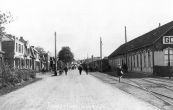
125, 35
159, 24
21, 38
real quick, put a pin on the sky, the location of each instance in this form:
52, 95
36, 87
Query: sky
79, 24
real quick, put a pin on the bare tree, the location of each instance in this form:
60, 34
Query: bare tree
5, 18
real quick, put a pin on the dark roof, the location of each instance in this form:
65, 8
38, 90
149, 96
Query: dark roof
143, 40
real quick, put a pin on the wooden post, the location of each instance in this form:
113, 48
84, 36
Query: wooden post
55, 58
100, 54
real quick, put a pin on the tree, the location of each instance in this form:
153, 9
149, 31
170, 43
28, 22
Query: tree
66, 55
5, 18
40, 50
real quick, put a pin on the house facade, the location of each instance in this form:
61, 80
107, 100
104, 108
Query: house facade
14, 51
151, 53
19, 54
35, 63
27, 54
46, 61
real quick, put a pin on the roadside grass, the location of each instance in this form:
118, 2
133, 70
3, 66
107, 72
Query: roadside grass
11, 88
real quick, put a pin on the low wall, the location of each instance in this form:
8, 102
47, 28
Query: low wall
163, 71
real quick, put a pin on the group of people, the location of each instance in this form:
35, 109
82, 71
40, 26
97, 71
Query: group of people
80, 68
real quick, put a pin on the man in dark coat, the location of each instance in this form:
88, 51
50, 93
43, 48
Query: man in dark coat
119, 72
65, 69
80, 69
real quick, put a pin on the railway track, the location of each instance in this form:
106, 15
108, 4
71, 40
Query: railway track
161, 96
168, 83
160, 84
164, 98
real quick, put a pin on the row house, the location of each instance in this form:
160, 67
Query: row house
19, 54
35, 59
14, 51
151, 52
46, 61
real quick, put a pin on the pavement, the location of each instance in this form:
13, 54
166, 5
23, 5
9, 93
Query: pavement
71, 92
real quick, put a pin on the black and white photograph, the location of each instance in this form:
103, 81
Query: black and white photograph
86, 54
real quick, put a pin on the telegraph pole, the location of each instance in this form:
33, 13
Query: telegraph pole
55, 58
126, 42
92, 62
100, 54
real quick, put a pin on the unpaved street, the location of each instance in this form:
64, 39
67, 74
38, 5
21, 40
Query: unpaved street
71, 92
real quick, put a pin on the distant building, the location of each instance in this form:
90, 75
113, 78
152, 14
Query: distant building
151, 52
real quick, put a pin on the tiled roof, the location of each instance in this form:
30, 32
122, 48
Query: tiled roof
143, 40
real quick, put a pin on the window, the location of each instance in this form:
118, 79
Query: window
137, 60
168, 57
141, 59
134, 60
131, 61
19, 48
144, 59
22, 48
28, 51
149, 58
16, 47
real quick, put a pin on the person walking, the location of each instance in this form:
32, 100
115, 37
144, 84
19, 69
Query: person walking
119, 72
87, 69
43, 69
65, 69
80, 69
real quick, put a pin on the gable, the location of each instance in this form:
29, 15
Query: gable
143, 40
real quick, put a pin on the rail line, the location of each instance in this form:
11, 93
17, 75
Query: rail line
170, 82
162, 85
158, 95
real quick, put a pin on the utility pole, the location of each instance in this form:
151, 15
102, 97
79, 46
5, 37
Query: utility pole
100, 54
92, 62
87, 57
55, 58
126, 42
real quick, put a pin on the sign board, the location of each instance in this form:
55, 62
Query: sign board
167, 39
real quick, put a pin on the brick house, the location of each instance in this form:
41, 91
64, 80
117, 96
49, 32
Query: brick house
151, 52
14, 51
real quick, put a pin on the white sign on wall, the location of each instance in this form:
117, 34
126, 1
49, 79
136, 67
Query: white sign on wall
167, 39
